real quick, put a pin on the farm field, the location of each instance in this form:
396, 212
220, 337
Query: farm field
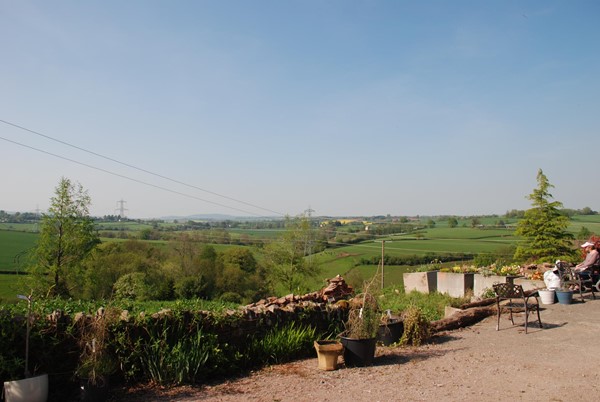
12, 245
592, 222
10, 287
344, 259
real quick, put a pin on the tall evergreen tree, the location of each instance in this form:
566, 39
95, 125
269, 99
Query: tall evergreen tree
543, 228
67, 237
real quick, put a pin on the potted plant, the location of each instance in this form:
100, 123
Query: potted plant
547, 296
327, 353
390, 329
29, 389
423, 279
360, 336
457, 281
96, 363
564, 295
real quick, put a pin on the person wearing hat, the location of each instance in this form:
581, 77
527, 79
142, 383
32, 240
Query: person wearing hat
592, 257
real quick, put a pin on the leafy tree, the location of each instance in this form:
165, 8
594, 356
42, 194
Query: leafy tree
475, 221
452, 222
584, 233
67, 237
112, 260
587, 211
240, 257
287, 259
543, 227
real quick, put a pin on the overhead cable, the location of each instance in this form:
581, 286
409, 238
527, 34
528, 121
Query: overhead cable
132, 179
138, 168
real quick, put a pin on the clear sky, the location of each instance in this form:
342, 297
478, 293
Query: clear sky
348, 107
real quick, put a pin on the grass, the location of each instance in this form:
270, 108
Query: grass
13, 244
344, 260
10, 287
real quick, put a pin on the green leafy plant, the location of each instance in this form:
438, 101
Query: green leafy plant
188, 360
416, 327
282, 344
364, 316
96, 362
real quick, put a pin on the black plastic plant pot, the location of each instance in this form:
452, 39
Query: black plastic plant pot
96, 391
359, 352
390, 333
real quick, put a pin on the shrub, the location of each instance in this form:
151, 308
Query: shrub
416, 327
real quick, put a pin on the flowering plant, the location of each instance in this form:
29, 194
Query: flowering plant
503, 270
464, 269
508, 270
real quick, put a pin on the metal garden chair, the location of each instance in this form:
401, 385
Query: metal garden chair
570, 277
517, 300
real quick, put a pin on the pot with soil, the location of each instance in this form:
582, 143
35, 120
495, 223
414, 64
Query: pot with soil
360, 337
359, 352
547, 296
390, 329
327, 354
564, 296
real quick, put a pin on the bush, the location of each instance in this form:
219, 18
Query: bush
416, 327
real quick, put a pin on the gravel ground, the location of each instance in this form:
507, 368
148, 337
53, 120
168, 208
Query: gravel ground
556, 363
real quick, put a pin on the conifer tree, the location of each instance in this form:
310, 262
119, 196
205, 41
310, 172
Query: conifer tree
544, 228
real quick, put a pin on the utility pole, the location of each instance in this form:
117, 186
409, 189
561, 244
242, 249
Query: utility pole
382, 256
309, 241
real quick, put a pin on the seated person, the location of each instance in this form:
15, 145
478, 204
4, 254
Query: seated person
592, 257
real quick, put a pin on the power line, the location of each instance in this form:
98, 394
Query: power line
132, 179
137, 168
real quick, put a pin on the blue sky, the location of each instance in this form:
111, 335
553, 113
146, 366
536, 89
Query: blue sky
347, 107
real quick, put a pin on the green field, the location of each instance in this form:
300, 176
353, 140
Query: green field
592, 222
10, 287
344, 260
12, 245
20, 227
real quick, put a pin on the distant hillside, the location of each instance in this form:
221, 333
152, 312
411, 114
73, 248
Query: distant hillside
218, 217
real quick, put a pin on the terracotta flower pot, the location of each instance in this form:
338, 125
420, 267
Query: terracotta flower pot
327, 353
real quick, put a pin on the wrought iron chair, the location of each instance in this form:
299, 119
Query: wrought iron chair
583, 280
517, 300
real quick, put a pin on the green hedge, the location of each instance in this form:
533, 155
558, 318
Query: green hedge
174, 346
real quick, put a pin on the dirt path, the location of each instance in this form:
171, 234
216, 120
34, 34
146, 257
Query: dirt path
557, 363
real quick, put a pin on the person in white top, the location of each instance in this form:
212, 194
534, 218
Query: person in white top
592, 257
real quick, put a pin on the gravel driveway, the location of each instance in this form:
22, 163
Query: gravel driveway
557, 363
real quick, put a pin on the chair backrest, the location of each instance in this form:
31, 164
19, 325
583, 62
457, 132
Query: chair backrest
508, 291
566, 271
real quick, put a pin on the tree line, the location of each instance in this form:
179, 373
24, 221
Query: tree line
69, 260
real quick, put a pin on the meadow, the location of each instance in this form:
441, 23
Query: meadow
342, 259
13, 245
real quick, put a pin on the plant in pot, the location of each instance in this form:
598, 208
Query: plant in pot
360, 335
31, 388
390, 329
96, 363
547, 295
328, 351
564, 295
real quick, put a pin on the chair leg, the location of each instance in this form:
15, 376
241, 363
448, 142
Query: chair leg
498, 323
526, 317
538, 314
